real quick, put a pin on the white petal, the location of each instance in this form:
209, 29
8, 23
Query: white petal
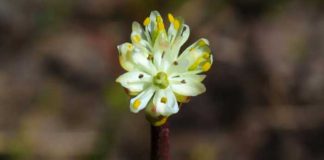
158, 58
141, 101
180, 39
187, 76
135, 81
161, 50
197, 57
162, 42
165, 102
152, 27
187, 87
143, 63
172, 32
125, 58
126, 55
177, 37
196, 49
139, 37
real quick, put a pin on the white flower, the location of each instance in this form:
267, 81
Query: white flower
158, 76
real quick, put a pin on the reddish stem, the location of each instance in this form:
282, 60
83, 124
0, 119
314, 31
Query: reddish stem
160, 142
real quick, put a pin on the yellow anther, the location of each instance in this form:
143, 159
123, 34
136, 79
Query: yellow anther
201, 43
129, 47
159, 19
160, 122
176, 24
196, 64
206, 55
136, 104
171, 18
182, 99
206, 66
160, 26
164, 100
147, 21
136, 38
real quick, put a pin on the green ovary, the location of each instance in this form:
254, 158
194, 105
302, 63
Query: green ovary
161, 80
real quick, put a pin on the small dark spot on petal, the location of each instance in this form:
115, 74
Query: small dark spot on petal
140, 76
175, 63
150, 57
183, 81
184, 29
164, 100
163, 54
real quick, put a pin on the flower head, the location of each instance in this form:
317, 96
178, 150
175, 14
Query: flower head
158, 77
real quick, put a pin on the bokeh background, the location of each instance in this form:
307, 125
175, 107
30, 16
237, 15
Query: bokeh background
59, 99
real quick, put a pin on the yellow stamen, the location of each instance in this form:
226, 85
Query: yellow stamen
160, 121
159, 19
147, 21
160, 26
164, 100
136, 38
176, 24
182, 99
206, 55
196, 64
171, 18
201, 43
129, 47
206, 66
136, 104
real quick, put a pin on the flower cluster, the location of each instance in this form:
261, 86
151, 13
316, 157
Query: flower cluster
158, 77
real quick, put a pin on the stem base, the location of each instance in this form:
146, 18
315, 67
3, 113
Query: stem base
160, 144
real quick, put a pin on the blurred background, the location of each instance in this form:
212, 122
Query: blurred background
59, 99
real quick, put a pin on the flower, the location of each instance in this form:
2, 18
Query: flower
158, 77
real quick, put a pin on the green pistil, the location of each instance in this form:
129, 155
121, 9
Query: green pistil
161, 80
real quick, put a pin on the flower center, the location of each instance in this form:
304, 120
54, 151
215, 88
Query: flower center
161, 80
